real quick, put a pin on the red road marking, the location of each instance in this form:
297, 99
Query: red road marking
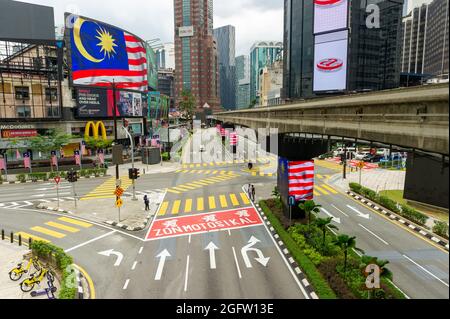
204, 223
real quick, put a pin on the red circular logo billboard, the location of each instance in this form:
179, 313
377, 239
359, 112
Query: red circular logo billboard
330, 65
326, 2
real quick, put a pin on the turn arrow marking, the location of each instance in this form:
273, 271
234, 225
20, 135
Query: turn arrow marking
335, 219
366, 216
261, 259
212, 254
110, 252
163, 256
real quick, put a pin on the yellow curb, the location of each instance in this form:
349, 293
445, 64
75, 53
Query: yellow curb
89, 280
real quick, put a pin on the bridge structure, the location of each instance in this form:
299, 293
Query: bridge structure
413, 120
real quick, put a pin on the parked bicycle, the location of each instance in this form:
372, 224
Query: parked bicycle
36, 278
17, 273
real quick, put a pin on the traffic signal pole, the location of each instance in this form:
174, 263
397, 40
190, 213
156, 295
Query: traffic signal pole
132, 160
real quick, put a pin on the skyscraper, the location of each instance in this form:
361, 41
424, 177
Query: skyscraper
262, 54
242, 82
165, 56
226, 43
197, 67
330, 47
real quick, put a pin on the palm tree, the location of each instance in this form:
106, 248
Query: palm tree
368, 260
346, 242
322, 224
310, 207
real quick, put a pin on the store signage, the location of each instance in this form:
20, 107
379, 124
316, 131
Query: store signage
17, 127
186, 31
19, 133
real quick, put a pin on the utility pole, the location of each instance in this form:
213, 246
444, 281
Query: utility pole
132, 159
115, 125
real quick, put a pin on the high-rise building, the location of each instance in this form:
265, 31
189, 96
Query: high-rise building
165, 56
425, 42
226, 43
242, 82
196, 63
262, 54
271, 83
334, 47
166, 84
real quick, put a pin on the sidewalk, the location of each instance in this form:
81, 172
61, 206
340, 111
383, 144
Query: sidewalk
376, 179
10, 256
166, 167
133, 216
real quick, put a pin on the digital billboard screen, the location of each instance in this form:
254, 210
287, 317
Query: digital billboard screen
101, 53
99, 103
330, 61
330, 15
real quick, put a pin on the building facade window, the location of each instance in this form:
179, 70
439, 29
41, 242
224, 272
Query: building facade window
23, 111
22, 92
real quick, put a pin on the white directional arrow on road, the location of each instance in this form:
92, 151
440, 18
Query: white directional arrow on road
163, 256
366, 216
261, 259
212, 254
335, 219
110, 252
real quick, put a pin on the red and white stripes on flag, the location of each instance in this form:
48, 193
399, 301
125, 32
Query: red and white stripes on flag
54, 160
233, 139
2, 164
101, 158
135, 78
27, 160
301, 180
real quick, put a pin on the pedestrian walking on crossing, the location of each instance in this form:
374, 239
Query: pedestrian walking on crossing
147, 203
253, 192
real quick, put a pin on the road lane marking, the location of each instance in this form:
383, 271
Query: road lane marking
48, 232
75, 222
237, 263
63, 227
212, 202
187, 274
141, 250
424, 269
340, 211
322, 190
35, 238
134, 265
245, 199
90, 241
316, 194
126, 284
378, 237
173, 192
176, 207
200, 204
163, 209
223, 201
234, 200
188, 206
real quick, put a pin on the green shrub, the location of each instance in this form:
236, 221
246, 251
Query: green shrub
63, 263
165, 156
369, 194
38, 176
21, 178
52, 175
441, 229
355, 187
413, 215
388, 203
321, 286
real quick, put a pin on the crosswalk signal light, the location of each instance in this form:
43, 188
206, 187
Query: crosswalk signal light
137, 173
133, 173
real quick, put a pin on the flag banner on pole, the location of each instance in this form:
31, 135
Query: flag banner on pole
62, 153
101, 157
83, 147
2, 164
77, 158
18, 155
26, 160
54, 159
301, 180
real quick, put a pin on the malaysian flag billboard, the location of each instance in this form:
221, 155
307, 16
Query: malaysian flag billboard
296, 178
101, 53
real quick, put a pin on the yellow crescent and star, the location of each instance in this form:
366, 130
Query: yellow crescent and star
107, 42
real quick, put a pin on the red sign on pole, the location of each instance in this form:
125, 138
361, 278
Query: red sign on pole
57, 179
204, 223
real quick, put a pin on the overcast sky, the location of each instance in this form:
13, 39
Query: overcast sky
254, 20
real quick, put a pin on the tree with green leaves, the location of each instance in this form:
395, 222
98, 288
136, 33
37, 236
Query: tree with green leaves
310, 207
323, 224
346, 243
98, 144
276, 193
187, 104
53, 141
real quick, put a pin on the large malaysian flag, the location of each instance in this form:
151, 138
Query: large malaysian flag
301, 180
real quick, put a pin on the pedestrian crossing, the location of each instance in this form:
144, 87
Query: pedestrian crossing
203, 204
31, 203
204, 172
262, 160
183, 188
106, 190
324, 189
55, 229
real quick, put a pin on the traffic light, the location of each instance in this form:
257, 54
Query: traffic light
133, 173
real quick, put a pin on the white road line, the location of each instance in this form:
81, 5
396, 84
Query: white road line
190, 238
378, 237
140, 250
126, 284
428, 272
229, 232
134, 265
237, 263
90, 241
187, 274
407, 297
340, 211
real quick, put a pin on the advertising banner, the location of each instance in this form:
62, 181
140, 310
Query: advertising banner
330, 15
152, 69
130, 104
92, 102
19, 133
330, 61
